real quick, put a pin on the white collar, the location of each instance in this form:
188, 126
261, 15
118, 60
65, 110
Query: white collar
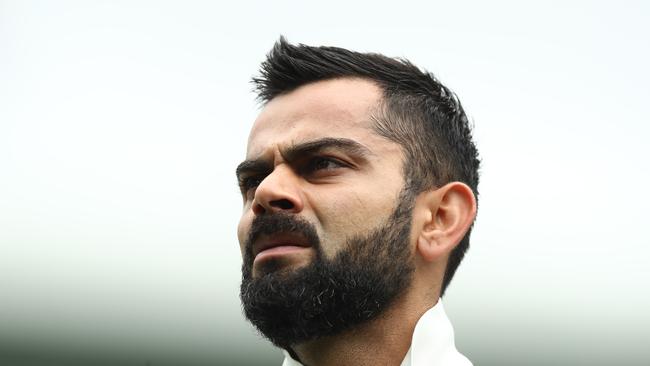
432, 343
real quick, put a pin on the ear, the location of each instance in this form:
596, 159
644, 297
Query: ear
447, 213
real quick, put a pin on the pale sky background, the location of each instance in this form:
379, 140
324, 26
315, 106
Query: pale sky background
121, 124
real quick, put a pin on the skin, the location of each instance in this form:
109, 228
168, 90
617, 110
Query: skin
346, 187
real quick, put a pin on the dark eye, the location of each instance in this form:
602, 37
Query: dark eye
319, 163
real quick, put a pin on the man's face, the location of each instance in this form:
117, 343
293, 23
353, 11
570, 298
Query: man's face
316, 156
326, 228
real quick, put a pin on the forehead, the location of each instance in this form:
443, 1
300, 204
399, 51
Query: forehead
330, 108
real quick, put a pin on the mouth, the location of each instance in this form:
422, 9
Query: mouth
278, 243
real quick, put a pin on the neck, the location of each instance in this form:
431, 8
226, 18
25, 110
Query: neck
384, 340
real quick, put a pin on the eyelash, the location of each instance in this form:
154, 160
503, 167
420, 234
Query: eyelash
310, 166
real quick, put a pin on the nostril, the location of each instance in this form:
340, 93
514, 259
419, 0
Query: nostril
282, 204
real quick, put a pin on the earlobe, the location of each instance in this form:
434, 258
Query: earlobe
429, 245
450, 211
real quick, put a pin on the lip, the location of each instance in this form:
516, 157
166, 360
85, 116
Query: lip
266, 242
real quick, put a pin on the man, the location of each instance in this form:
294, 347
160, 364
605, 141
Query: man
359, 187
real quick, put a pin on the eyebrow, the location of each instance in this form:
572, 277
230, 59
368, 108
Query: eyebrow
297, 151
347, 146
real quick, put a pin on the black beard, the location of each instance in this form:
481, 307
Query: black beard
327, 297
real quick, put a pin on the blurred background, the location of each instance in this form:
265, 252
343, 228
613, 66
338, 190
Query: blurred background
121, 124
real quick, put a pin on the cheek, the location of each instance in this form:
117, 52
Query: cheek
351, 215
242, 231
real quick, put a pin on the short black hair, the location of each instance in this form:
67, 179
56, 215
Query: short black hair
417, 111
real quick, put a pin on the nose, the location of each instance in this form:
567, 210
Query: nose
278, 192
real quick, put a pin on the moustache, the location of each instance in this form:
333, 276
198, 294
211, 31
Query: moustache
280, 223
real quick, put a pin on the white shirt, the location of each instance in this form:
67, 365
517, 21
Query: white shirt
432, 343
